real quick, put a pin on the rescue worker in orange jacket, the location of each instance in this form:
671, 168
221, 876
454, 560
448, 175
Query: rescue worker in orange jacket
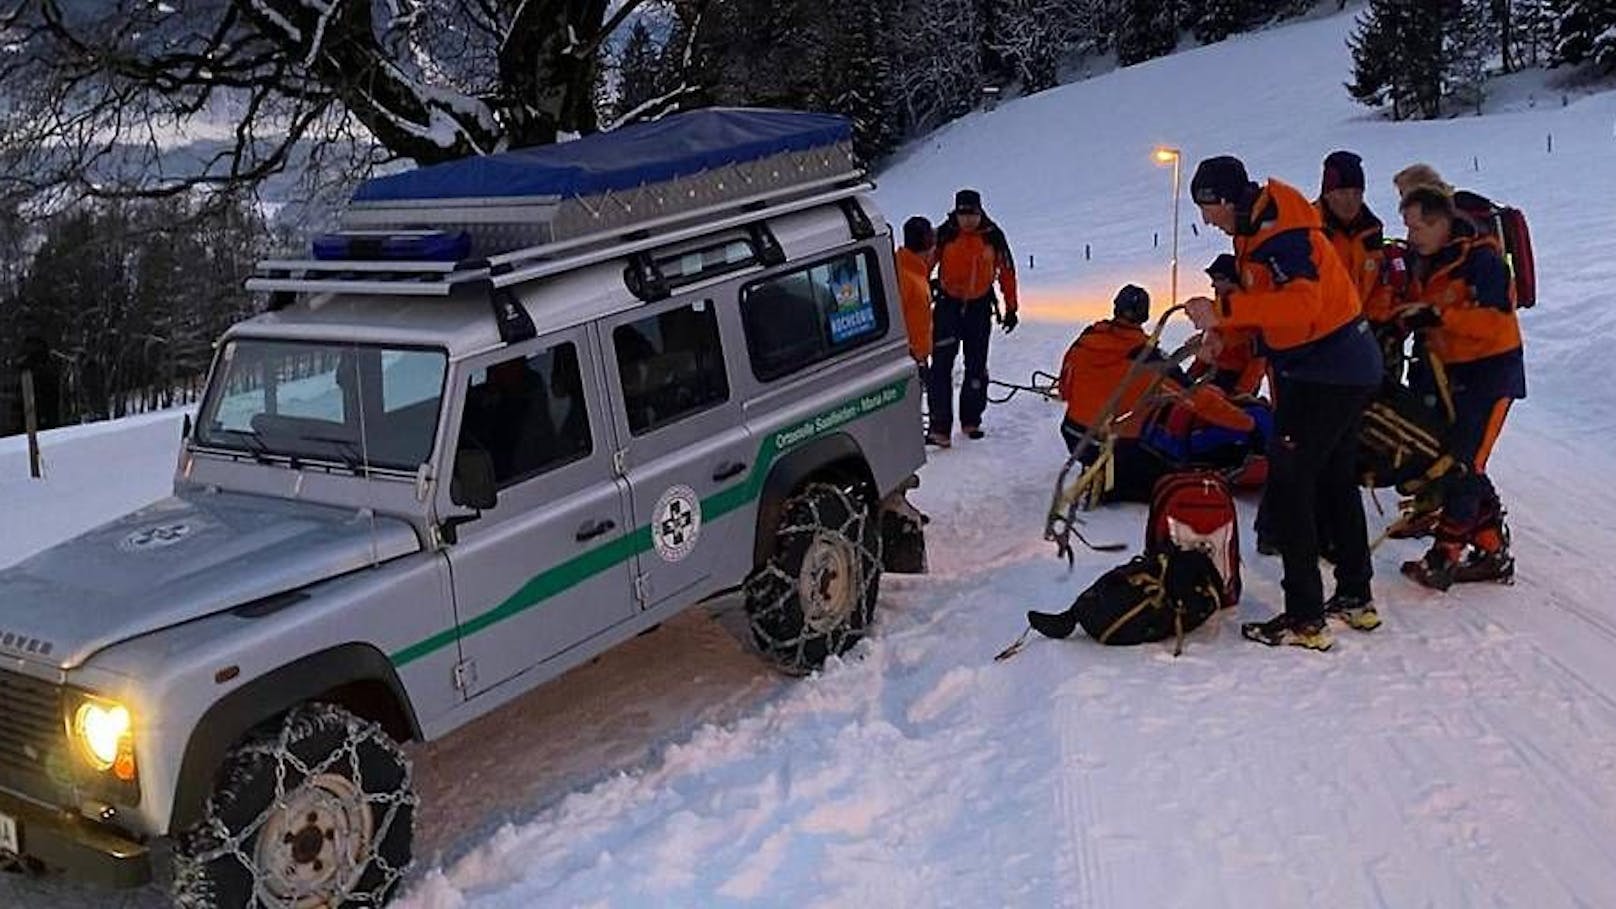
972, 255
1231, 355
915, 259
1357, 235
1325, 364
1094, 369
1459, 303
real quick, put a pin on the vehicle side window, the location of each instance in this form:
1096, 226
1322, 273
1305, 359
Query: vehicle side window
799, 318
528, 413
670, 365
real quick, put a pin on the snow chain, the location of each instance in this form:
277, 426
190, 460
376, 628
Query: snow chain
781, 587
384, 807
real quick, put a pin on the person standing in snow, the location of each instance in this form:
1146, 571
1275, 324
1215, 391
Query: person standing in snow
1460, 307
1325, 365
915, 260
1359, 238
972, 255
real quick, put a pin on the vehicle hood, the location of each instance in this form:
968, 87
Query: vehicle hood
180, 559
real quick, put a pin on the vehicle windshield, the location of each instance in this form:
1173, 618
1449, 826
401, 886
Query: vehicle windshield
353, 404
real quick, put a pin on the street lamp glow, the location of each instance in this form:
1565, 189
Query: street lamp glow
1165, 154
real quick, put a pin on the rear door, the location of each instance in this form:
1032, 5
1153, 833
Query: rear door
685, 451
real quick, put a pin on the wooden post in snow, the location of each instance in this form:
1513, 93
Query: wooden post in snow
30, 419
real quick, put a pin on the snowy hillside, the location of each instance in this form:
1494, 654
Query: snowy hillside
1463, 755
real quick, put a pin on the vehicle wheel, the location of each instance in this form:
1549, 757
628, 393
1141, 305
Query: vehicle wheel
816, 594
318, 813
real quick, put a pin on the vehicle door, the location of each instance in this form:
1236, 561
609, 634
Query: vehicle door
545, 569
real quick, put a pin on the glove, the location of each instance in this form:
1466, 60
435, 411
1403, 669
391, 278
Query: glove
1010, 321
1417, 316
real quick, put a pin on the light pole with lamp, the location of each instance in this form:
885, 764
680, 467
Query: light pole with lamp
1165, 155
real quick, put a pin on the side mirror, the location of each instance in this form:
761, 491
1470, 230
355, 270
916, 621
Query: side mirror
185, 428
472, 484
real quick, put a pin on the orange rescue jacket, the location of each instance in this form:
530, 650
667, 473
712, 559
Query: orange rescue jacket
970, 261
1361, 246
1467, 283
1289, 309
914, 291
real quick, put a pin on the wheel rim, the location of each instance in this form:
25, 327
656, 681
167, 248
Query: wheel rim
314, 845
828, 583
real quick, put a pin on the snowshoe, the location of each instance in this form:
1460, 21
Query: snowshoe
1357, 613
1053, 624
1287, 630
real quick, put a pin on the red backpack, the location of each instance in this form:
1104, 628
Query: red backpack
1193, 509
1509, 226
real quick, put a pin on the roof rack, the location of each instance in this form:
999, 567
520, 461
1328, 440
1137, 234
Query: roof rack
538, 212
439, 279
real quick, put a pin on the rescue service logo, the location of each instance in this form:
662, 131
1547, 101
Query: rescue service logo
676, 523
156, 536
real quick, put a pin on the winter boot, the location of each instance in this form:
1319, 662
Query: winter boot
938, 439
1435, 568
973, 432
1285, 629
1357, 612
1489, 558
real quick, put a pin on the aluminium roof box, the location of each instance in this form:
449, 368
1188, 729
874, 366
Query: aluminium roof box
643, 176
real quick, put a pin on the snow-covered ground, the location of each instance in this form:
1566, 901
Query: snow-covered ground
1463, 755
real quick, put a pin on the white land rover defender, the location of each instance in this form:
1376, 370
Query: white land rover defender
520, 409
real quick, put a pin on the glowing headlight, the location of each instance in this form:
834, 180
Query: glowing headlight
102, 730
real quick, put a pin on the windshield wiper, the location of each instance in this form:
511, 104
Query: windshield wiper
255, 445
349, 451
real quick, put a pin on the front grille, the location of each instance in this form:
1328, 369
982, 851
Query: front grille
33, 738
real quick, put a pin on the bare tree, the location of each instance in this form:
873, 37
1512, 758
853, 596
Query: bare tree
97, 95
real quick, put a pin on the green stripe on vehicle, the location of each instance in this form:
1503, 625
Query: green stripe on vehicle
575, 571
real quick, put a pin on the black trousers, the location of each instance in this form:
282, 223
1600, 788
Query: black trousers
959, 324
1311, 477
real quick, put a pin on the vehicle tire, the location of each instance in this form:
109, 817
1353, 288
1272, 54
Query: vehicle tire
318, 812
815, 596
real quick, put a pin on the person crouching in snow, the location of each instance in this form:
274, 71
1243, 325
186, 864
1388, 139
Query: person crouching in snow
1230, 355
1095, 368
1461, 309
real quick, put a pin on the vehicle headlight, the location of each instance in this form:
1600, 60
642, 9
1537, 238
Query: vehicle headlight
104, 733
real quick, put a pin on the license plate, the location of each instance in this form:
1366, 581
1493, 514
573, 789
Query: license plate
8, 834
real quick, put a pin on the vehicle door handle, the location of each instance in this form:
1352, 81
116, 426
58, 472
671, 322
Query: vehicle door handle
728, 469
594, 529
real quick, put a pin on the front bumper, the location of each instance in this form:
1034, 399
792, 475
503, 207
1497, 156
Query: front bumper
86, 851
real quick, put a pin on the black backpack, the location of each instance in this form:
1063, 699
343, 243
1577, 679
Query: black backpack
1164, 592
1401, 442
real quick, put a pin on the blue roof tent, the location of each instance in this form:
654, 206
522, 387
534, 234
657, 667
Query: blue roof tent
666, 149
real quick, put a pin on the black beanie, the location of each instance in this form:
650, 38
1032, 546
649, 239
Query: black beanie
918, 235
1342, 170
968, 200
1132, 305
1220, 179
1224, 268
